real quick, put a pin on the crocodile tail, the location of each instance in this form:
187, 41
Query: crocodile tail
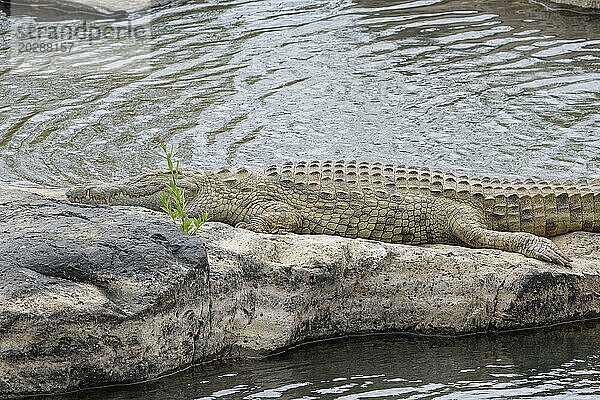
544, 208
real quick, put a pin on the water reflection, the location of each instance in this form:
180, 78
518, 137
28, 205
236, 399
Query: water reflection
557, 363
498, 87
477, 87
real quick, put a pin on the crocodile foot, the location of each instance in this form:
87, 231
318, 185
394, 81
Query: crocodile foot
544, 249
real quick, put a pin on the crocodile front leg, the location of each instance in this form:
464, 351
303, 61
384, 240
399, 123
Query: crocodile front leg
272, 217
466, 225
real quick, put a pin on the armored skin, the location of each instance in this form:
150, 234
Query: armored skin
389, 203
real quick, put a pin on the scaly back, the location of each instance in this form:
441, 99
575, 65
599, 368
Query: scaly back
544, 208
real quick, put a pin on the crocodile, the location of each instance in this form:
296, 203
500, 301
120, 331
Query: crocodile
384, 202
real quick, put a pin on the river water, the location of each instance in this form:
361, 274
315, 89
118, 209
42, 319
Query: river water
505, 88
560, 363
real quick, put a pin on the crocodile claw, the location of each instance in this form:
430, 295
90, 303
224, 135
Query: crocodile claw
544, 249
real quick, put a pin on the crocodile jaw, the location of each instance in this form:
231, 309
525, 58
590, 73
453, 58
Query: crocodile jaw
143, 191
113, 196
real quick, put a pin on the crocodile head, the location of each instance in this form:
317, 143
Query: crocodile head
143, 190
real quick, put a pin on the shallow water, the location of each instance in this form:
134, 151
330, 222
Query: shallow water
484, 87
562, 362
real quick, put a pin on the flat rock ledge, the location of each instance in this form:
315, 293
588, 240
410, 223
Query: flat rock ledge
93, 296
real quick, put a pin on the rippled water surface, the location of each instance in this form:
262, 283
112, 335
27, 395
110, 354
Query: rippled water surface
559, 363
485, 87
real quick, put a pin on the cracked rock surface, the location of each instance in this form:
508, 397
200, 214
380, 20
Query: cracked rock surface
97, 295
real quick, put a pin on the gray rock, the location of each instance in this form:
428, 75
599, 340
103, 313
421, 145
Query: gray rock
92, 296
86, 9
112, 6
269, 292
591, 4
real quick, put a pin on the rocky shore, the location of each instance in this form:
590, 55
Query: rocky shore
98, 295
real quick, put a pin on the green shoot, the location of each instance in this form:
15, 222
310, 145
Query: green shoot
173, 199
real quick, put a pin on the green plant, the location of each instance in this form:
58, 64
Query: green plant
173, 199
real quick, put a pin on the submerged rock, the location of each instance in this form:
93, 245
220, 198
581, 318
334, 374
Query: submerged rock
99, 6
98, 295
589, 4
112, 6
